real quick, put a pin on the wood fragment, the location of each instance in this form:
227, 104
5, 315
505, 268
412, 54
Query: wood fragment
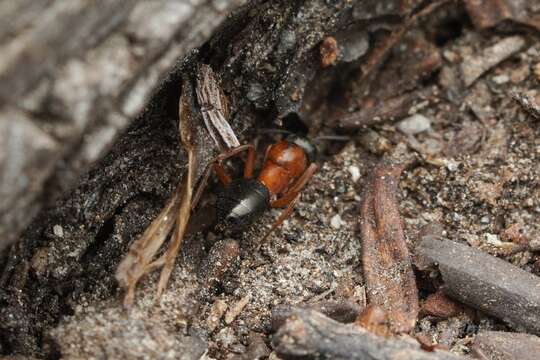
386, 264
528, 103
214, 109
310, 334
502, 345
374, 320
341, 311
484, 282
221, 259
329, 51
439, 305
236, 309
216, 313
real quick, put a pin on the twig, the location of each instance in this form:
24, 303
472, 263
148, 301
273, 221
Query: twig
390, 281
485, 282
309, 334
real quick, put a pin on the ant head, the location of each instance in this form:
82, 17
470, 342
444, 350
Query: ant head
305, 144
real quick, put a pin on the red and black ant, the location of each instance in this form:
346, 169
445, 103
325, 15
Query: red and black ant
287, 167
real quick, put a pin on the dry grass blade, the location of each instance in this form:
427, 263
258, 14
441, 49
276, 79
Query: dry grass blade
214, 109
186, 195
138, 261
386, 261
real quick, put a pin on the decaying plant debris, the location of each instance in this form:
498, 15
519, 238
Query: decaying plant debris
175, 214
471, 154
386, 262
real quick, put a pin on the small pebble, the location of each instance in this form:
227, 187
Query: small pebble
58, 230
501, 79
355, 172
414, 124
534, 244
336, 221
493, 239
451, 165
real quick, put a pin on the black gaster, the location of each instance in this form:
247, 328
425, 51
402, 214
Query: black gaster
241, 202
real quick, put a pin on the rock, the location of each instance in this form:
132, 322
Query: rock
355, 172
336, 221
414, 124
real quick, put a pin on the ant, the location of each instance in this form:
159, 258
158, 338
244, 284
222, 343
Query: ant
287, 167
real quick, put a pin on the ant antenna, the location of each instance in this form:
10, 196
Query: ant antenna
274, 131
318, 138
332, 138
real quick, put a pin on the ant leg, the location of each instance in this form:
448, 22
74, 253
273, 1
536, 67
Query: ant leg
250, 162
220, 171
295, 189
290, 198
284, 215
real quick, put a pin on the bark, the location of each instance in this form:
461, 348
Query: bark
72, 76
266, 54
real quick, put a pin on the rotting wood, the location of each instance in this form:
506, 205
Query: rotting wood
485, 282
309, 334
386, 263
73, 76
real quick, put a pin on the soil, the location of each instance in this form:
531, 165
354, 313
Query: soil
474, 172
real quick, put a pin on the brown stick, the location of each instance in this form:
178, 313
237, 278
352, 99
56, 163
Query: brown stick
390, 281
309, 334
485, 282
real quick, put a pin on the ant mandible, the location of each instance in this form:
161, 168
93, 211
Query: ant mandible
287, 167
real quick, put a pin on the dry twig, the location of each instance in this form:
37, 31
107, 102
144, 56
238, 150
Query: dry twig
390, 281
485, 282
311, 335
